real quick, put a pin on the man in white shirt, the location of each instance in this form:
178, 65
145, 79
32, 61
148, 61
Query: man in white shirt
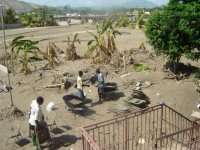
36, 114
80, 85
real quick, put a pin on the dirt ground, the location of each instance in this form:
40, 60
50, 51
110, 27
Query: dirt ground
180, 95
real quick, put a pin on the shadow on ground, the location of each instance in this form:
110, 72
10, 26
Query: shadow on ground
113, 96
64, 141
23, 142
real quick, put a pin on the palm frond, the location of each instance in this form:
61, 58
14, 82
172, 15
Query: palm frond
90, 51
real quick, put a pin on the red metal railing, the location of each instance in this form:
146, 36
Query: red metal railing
186, 139
135, 131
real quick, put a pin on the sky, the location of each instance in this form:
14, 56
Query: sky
78, 3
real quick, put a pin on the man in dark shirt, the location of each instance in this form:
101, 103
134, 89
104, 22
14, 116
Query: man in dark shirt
101, 83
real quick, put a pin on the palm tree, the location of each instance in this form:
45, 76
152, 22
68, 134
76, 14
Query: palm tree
123, 22
99, 43
139, 19
111, 35
26, 47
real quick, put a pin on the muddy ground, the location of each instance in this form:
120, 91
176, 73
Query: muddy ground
180, 95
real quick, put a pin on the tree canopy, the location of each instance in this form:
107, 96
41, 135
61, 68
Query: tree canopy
174, 30
9, 16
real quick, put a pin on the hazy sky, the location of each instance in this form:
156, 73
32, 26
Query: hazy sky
77, 3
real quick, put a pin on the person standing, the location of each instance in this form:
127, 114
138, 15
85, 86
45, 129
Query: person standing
36, 115
80, 85
101, 84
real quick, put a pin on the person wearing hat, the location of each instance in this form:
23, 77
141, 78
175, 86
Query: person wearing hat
101, 83
36, 115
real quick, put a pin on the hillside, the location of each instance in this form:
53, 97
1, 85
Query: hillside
126, 4
138, 3
18, 6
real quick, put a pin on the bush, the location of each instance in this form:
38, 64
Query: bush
140, 67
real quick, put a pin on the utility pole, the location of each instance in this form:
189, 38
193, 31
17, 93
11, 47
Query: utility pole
6, 59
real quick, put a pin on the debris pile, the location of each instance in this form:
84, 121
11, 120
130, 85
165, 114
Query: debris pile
136, 101
122, 61
5, 88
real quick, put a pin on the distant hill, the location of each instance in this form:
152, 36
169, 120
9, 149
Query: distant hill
18, 6
138, 3
127, 4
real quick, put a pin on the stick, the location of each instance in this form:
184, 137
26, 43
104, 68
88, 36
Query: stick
53, 86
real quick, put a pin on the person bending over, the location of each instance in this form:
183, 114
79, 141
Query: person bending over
36, 115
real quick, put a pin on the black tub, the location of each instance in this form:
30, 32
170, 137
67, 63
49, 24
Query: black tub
73, 101
109, 87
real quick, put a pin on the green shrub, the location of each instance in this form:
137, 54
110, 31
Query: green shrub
140, 67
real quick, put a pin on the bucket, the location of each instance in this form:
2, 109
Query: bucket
50, 106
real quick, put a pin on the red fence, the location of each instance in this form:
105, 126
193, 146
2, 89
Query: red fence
141, 130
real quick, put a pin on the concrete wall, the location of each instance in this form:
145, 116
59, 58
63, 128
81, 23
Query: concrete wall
75, 21
62, 23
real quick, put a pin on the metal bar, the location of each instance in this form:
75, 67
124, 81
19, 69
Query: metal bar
132, 132
122, 117
161, 122
184, 130
126, 134
109, 135
104, 138
83, 142
89, 139
177, 113
118, 134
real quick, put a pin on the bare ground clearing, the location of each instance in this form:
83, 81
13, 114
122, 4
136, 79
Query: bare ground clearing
181, 95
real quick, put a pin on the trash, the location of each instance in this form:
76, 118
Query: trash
5, 88
198, 106
138, 83
89, 91
4, 69
138, 88
158, 94
50, 106
141, 141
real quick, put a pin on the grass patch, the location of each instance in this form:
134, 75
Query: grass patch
140, 67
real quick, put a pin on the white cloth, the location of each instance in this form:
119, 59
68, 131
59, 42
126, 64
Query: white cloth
79, 83
36, 113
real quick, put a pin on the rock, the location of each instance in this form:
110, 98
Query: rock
147, 83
